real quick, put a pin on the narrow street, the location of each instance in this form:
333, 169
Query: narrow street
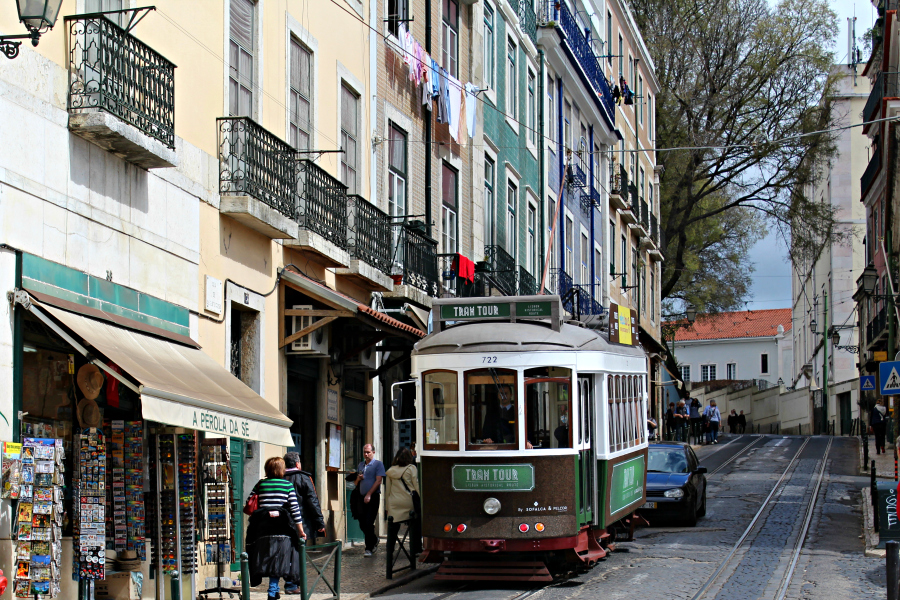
771, 479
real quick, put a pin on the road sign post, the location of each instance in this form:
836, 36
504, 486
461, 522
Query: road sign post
889, 378
867, 383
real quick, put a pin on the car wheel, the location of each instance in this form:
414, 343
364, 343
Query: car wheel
691, 518
702, 511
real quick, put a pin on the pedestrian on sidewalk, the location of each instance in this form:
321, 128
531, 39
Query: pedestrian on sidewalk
732, 421
696, 418
670, 422
274, 558
313, 521
879, 424
369, 475
742, 422
682, 417
402, 502
651, 427
713, 417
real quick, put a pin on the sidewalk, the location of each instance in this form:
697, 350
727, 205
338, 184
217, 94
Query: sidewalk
360, 576
884, 463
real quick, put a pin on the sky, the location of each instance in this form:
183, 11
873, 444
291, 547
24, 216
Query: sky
772, 277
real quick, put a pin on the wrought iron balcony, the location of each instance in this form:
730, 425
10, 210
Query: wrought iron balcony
527, 18
254, 162
635, 202
618, 182
870, 173
579, 299
886, 86
645, 216
415, 258
322, 203
527, 283
112, 71
576, 175
502, 268
368, 233
876, 326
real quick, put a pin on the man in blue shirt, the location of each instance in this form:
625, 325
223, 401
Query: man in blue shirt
370, 474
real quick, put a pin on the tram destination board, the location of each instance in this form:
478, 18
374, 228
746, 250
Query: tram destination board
496, 478
505, 308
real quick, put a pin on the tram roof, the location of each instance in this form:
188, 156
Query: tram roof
529, 336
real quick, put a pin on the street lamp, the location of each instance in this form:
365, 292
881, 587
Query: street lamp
38, 16
868, 279
691, 313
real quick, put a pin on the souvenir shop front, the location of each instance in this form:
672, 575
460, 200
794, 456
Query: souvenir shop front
120, 479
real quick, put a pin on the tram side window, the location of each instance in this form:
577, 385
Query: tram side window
548, 403
441, 410
611, 418
491, 410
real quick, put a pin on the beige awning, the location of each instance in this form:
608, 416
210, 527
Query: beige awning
180, 385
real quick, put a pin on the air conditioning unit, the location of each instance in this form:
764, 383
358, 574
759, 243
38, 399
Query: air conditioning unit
313, 344
363, 360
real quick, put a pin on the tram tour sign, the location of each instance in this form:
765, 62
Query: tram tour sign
497, 308
626, 484
493, 478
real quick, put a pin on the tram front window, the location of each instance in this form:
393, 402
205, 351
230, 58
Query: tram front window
491, 409
441, 410
548, 403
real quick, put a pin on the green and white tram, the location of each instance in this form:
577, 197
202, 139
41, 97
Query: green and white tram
532, 437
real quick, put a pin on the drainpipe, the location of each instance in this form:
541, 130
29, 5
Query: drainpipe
825, 343
593, 232
542, 148
561, 161
428, 125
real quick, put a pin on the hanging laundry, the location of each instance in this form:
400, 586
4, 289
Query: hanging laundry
464, 268
435, 79
454, 98
627, 94
471, 108
443, 115
617, 95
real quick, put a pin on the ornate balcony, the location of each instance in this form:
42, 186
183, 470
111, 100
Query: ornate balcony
579, 299
415, 263
528, 285
618, 188
502, 268
257, 179
527, 18
368, 243
321, 214
121, 93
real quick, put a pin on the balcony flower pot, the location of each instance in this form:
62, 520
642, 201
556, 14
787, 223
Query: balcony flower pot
398, 279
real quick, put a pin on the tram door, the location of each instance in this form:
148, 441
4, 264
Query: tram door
587, 459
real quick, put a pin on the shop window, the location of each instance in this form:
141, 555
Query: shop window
548, 403
441, 401
491, 410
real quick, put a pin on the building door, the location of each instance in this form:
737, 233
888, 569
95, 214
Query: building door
845, 411
587, 462
302, 409
354, 432
237, 457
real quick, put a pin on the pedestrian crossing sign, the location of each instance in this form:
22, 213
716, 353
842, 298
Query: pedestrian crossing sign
889, 378
867, 383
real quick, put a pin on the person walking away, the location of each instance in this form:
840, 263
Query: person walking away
696, 418
878, 421
742, 422
401, 495
715, 417
670, 421
272, 540
369, 475
313, 521
682, 416
732, 421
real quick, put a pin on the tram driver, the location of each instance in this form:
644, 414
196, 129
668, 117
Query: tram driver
499, 426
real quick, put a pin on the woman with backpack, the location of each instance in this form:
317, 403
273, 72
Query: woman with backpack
401, 501
878, 421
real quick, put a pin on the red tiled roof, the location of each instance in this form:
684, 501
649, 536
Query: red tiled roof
729, 325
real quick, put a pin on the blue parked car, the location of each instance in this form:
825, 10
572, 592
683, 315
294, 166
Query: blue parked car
676, 484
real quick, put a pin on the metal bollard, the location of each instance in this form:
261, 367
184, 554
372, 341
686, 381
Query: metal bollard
245, 576
892, 564
337, 571
303, 578
874, 494
175, 584
865, 445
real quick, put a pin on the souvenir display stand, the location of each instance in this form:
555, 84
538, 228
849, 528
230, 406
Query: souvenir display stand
218, 533
89, 523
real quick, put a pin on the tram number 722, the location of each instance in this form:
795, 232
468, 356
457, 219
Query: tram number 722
488, 359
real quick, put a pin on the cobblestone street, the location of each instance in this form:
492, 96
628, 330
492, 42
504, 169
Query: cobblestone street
669, 561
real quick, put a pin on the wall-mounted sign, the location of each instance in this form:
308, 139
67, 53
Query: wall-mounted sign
627, 484
622, 328
214, 295
497, 308
497, 478
332, 413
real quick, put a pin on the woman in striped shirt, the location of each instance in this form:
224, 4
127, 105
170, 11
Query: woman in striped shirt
275, 492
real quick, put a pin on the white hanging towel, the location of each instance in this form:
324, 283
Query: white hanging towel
471, 108
455, 88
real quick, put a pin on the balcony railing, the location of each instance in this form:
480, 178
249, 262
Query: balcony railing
635, 202
322, 205
618, 181
255, 162
527, 18
886, 86
579, 299
868, 176
876, 326
654, 230
527, 283
415, 257
645, 216
502, 268
581, 48
368, 233
111, 70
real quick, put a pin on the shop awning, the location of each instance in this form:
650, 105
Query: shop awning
181, 385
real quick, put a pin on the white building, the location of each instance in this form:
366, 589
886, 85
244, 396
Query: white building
753, 344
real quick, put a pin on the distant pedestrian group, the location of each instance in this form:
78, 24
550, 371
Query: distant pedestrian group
686, 421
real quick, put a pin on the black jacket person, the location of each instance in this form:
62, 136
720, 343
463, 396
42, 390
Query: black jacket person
313, 521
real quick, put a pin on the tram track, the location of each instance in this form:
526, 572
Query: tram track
733, 458
780, 486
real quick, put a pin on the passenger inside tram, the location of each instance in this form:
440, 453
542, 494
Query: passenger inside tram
492, 408
547, 408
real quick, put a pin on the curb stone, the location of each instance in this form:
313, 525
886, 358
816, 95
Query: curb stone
869, 533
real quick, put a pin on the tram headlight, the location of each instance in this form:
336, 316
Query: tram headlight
674, 493
492, 506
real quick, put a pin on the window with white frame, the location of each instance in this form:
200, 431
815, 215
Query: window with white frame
567, 124
643, 290
621, 54
640, 99
449, 210
585, 256
301, 95
551, 217
707, 372
488, 73
512, 80
598, 269
570, 246
624, 263
609, 38
531, 256
240, 64
512, 200
731, 371
532, 108
450, 36
653, 293
398, 12
397, 171
634, 279
349, 139
684, 373
551, 120
612, 246
490, 216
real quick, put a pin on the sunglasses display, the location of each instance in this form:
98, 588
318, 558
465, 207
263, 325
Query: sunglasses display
89, 525
172, 503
